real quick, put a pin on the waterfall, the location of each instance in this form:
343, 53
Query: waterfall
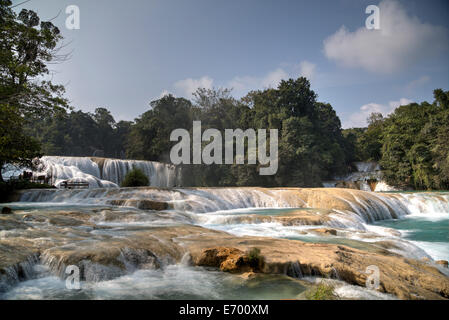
79, 169
102, 172
367, 206
160, 174
367, 166
368, 177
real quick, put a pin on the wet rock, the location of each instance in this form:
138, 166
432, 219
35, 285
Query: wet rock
248, 275
444, 263
348, 185
303, 218
65, 221
17, 258
9, 223
141, 204
325, 231
393, 245
6, 210
227, 259
405, 278
152, 205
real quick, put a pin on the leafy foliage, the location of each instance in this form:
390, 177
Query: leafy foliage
415, 151
15, 146
27, 45
81, 133
135, 178
410, 144
255, 259
322, 291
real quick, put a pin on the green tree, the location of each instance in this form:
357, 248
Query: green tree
414, 145
27, 45
149, 138
311, 145
15, 146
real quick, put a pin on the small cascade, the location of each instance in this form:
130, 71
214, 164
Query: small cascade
367, 177
208, 200
367, 206
369, 166
19, 272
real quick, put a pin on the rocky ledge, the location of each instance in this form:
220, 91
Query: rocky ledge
61, 238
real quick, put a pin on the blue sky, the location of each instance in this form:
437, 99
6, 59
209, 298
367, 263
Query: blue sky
127, 53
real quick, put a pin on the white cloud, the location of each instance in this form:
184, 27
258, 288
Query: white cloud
244, 84
247, 83
401, 41
417, 83
358, 119
307, 69
188, 86
241, 85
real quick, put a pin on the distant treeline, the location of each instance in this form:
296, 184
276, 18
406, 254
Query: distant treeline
411, 144
312, 147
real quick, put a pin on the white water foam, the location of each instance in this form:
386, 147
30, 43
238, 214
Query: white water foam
112, 173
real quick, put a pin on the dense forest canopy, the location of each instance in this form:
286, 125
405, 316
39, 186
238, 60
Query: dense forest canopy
411, 144
312, 147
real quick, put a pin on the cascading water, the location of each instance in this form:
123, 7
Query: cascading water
369, 206
117, 216
77, 169
160, 174
367, 166
102, 173
367, 177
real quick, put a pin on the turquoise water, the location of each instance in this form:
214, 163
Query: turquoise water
430, 234
420, 229
172, 282
258, 211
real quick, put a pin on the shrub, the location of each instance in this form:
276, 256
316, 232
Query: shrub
135, 178
255, 259
323, 291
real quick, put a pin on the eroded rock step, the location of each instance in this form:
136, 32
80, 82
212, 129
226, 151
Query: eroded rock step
102, 256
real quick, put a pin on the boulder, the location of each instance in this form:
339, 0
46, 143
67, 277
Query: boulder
227, 259
444, 263
6, 210
325, 231
141, 204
